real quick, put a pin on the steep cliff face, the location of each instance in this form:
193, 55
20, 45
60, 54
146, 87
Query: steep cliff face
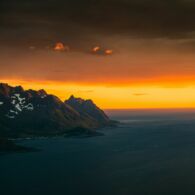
30, 112
88, 109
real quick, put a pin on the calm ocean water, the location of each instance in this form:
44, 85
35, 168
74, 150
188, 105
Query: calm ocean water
150, 153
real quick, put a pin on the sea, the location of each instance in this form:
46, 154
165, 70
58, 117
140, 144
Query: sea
150, 152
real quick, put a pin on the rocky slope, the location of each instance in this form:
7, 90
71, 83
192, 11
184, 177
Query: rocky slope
35, 113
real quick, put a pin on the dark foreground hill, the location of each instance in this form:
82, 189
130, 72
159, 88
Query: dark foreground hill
26, 113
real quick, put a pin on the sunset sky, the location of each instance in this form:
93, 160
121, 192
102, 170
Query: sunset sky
145, 56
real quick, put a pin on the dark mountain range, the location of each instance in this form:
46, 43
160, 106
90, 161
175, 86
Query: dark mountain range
88, 109
26, 113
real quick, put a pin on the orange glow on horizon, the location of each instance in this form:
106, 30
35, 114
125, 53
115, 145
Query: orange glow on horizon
119, 97
164, 81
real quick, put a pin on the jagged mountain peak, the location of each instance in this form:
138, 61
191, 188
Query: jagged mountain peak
87, 108
4, 85
72, 98
42, 92
79, 100
19, 89
4, 89
8, 90
36, 111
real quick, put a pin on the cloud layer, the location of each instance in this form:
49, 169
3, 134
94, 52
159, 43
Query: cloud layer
151, 40
82, 20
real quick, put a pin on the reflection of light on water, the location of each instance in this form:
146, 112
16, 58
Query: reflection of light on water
131, 121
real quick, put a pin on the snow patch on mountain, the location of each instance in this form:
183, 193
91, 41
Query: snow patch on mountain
12, 111
10, 116
43, 96
19, 105
29, 107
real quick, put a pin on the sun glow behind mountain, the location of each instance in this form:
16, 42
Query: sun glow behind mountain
139, 78
132, 57
119, 97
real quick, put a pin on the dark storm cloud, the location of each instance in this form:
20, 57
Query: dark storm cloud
35, 21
